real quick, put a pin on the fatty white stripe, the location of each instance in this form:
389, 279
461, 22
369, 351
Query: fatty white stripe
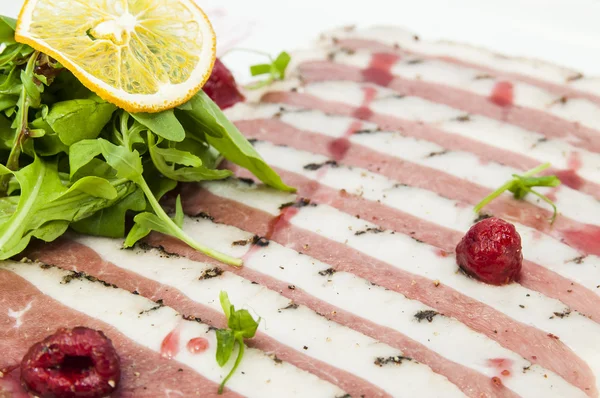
444, 335
392, 35
431, 207
576, 110
257, 375
501, 135
524, 305
464, 165
301, 327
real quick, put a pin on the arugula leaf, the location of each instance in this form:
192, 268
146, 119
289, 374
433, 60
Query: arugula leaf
110, 221
81, 153
521, 185
79, 119
10, 22
39, 184
164, 124
241, 325
204, 116
178, 218
7, 30
275, 70
196, 172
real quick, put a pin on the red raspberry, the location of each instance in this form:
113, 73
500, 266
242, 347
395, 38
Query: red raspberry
491, 252
221, 87
78, 362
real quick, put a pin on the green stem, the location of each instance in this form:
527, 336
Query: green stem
493, 196
536, 170
235, 365
178, 232
551, 203
22, 128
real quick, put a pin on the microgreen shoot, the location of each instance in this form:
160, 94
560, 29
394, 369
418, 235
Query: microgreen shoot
274, 69
521, 185
241, 326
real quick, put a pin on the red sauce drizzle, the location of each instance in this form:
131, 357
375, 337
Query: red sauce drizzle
441, 253
281, 221
502, 364
340, 146
197, 345
170, 344
570, 177
363, 112
379, 69
502, 94
586, 239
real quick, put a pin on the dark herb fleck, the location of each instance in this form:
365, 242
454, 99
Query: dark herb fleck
206, 216
438, 153
427, 314
563, 314
415, 61
211, 273
464, 118
317, 166
192, 318
327, 272
248, 181
372, 230
397, 360
577, 260
159, 304
242, 242
260, 241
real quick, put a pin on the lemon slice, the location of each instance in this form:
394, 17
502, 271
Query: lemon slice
142, 55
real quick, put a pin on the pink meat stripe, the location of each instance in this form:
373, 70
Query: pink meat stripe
390, 141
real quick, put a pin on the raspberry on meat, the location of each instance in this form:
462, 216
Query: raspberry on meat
78, 362
221, 87
491, 252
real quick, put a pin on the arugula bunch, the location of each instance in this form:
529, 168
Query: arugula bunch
70, 159
241, 326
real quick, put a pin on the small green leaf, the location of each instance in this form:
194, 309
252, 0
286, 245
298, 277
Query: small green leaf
110, 222
51, 230
82, 152
136, 233
225, 344
79, 119
260, 69
173, 155
160, 157
95, 186
242, 322
10, 22
281, 63
164, 124
178, 219
7, 30
39, 184
127, 163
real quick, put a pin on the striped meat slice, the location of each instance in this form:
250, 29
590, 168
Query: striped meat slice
391, 140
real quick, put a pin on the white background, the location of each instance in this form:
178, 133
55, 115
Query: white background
566, 32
